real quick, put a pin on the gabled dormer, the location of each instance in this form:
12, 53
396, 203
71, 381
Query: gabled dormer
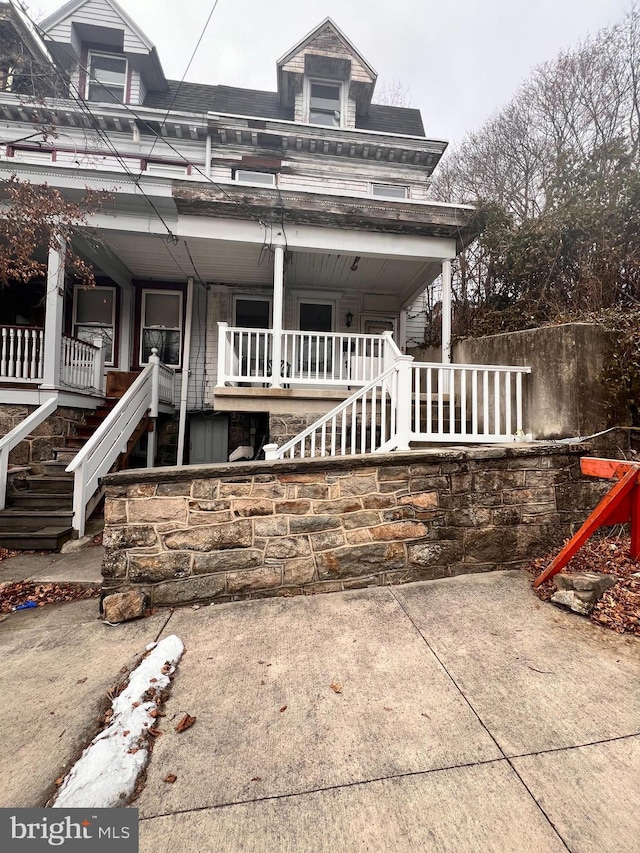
115, 59
326, 79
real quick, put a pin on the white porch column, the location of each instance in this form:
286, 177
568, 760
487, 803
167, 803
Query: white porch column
278, 302
446, 312
402, 331
53, 314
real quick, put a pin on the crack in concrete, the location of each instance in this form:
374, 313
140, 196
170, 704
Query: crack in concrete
482, 723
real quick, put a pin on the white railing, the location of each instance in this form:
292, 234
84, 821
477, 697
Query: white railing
467, 403
307, 358
110, 439
81, 364
21, 354
15, 436
362, 424
418, 402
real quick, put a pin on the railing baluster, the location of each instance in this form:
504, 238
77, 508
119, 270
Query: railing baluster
12, 365
429, 402
485, 402
463, 402
4, 353
474, 403
440, 401
451, 382
496, 396
519, 403
507, 403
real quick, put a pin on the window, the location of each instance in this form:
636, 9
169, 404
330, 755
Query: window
315, 356
248, 177
167, 170
107, 78
94, 315
389, 190
161, 321
325, 104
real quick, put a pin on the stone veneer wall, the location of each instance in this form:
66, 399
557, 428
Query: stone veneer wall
224, 532
38, 447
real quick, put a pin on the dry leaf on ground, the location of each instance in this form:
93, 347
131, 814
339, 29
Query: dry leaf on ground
337, 688
185, 723
171, 778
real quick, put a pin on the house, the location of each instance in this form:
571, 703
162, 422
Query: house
254, 270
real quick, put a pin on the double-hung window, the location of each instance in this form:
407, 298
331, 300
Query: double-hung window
161, 322
107, 78
94, 315
325, 103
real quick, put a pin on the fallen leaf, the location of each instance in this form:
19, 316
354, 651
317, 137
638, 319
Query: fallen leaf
284, 708
81, 681
125, 733
185, 723
171, 778
337, 688
59, 781
257, 779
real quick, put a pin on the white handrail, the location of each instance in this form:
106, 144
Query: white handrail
15, 436
110, 439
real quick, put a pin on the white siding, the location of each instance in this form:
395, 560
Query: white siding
298, 108
350, 119
136, 89
344, 184
98, 13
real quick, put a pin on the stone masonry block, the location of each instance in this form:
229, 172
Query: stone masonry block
149, 568
129, 536
265, 578
158, 509
115, 511
292, 546
327, 539
353, 561
270, 525
313, 523
227, 561
400, 530
357, 485
185, 590
217, 537
246, 507
300, 571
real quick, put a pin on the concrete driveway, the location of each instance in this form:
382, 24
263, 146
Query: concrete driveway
469, 717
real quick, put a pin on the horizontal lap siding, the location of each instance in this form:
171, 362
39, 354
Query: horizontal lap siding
100, 14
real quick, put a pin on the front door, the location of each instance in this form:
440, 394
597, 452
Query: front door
315, 355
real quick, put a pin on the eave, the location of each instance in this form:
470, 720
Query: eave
324, 210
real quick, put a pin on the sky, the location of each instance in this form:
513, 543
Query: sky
460, 59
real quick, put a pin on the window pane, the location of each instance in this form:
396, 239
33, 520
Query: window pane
162, 310
94, 306
327, 119
109, 69
252, 313
315, 318
166, 342
323, 95
389, 191
88, 333
255, 177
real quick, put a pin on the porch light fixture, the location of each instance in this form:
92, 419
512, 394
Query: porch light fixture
354, 265
349, 319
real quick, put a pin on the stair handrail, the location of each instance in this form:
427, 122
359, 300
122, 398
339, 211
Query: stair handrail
110, 439
273, 452
15, 436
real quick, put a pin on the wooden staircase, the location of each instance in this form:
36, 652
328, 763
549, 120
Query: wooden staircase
40, 507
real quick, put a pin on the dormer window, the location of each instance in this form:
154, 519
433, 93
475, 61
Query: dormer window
107, 78
325, 103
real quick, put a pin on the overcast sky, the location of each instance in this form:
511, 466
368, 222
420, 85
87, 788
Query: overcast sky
460, 59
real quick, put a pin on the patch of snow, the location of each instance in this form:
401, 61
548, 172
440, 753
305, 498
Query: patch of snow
106, 773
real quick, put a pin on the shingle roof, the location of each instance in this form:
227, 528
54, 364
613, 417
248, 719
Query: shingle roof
201, 98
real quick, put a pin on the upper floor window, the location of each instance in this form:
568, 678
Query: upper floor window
325, 103
389, 190
107, 78
248, 177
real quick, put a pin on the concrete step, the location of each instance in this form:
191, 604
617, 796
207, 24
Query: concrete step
65, 454
50, 484
55, 468
41, 500
16, 520
47, 538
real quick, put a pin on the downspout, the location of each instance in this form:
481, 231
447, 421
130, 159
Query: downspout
184, 390
207, 156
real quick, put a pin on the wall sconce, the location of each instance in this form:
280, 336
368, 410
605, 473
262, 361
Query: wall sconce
354, 265
349, 319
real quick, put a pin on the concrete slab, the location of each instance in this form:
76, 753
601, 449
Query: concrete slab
83, 567
482, 808
57, 663
538, 677
590, 794
257, 676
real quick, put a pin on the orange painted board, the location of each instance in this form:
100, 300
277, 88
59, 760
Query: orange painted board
607, 468
617, 498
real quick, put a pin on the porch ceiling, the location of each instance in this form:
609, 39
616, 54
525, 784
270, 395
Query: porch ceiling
149, 256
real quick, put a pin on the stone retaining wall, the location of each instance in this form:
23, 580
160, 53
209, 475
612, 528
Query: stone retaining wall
38, 447
225, 532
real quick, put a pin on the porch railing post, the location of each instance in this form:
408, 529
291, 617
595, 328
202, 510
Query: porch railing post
403, 402
53, 314
278, 300
98, 364
222, 353
155, 383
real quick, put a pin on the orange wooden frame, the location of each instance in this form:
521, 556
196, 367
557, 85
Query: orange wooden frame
620, 505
